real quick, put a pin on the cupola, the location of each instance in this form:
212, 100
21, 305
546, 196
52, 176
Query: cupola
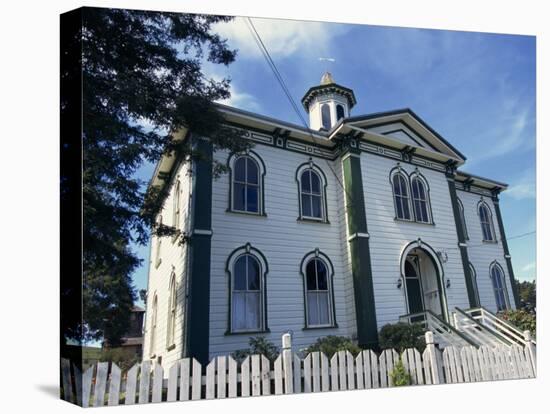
327, 103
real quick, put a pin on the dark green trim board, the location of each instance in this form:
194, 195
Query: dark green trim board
506, 252
472, 299
363, 288
200, 244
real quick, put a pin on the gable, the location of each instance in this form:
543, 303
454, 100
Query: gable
404, 127
401, 132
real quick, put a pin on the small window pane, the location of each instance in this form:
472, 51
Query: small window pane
239, 196
253, 310
339, 112
252, 199
311, 280
239, 310
312, 309
306, 205
315, 183
322, 298
306, 181
253, 274
240, 273
322, 283
240, 169
316, 207
252, 171
325, 114
399, 206
406, 210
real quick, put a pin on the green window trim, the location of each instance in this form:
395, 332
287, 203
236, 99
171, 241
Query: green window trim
310, 165
261, 183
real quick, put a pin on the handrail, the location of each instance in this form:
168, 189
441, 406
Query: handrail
452, 329
483, 327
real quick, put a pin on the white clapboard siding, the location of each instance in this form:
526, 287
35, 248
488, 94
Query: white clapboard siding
314, 373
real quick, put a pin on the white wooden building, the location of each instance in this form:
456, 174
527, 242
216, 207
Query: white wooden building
338, 229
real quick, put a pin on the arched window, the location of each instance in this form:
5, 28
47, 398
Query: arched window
311, 194
247, 313
499, 287
172, 304
421, 200
473, 274
462, 218
325, 116
176, 206
339, 112
401, 196
486, 220
318, 291
152, 338
158, 245
247, 183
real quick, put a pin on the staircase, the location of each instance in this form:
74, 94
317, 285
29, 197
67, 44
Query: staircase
486, 328
444, 333
471, 327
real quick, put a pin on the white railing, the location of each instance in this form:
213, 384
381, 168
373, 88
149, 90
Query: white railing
444, 334
105, 384
489, 319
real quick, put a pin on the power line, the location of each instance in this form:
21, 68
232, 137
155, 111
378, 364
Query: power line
286, 91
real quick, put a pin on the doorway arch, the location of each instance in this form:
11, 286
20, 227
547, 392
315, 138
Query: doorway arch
423, 279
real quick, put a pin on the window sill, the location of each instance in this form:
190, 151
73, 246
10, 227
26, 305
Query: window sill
489, 241
312, 220
431, 223
265, 331
313, 328
169, 348
246, 213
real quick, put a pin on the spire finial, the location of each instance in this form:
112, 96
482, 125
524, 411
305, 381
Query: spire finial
327, 79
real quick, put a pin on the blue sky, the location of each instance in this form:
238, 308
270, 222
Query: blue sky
476, 89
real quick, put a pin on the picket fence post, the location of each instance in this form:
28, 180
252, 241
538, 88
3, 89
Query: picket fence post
532, 350
433, 362
287, 363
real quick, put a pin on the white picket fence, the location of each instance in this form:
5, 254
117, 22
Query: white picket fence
256, 375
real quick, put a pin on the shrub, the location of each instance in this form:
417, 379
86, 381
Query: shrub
399, 375
331, 344
521, 319
400, 336
259, 346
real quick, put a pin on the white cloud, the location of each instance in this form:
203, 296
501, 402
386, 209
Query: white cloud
524, 187
528, 267
282, 38
242, 100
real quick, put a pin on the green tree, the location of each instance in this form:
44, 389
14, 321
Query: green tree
527, 294
137, 67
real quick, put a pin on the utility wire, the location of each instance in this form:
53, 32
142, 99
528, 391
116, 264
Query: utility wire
286, 91
282, 83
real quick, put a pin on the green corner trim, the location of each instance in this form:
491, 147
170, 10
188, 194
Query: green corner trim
198, 331
507, 255
470, 288
363, 288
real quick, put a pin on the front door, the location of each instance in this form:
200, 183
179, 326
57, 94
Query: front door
413, 285
422, 284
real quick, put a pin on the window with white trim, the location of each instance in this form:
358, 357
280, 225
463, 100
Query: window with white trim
311, 195
176, 205
246, 185
152, 337
420, 199
172, 305
318, 298
339, 112
499, 287
401, 196
325, 116
486, 221
246, 295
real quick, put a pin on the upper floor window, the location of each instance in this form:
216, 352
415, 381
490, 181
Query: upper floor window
486, 221
318, 290
499, 287
172, 304
462, 218
311, 185
325, 116
473, 274
247, 268
246, 183
176, 206
152, 337
401, 196
339, 112
421, 200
